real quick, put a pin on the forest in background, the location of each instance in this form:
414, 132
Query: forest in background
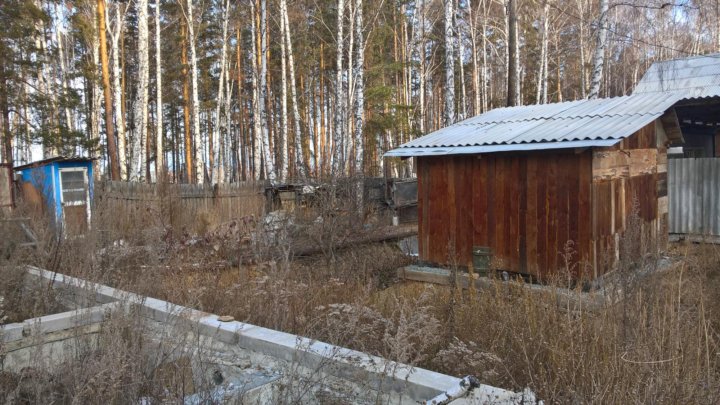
231, 90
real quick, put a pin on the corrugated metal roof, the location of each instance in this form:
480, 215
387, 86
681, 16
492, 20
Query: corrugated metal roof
471, 150
548, 126
695, 77
55, 159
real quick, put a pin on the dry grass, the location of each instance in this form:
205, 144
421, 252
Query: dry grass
659, 344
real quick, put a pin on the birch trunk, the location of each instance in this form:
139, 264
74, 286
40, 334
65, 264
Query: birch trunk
599, 57
350, 92
484, 69
541, 93
461, 55
214, 170
475, 67
717, 25
117, 90
512, 93
359, 74
267, 153
44, 83
359, 80
96, 91
300, 168
283, 98
62, 73
449, 117
581, 39
199, 144
338, 147
257, 129
159, 154
418, 49
141, 100
225, 141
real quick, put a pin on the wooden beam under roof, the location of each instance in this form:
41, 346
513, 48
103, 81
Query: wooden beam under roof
671, 126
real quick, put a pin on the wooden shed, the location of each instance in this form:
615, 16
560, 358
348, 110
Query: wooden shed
546, 188
62, 188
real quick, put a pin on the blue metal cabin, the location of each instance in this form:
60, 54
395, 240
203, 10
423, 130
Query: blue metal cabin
63, 187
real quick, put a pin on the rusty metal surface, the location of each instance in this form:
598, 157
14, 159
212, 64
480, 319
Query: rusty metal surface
548, 126
694, 196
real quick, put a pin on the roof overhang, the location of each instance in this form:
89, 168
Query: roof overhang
520, 147
55, 159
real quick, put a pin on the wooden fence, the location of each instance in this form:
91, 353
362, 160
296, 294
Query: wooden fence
223, 202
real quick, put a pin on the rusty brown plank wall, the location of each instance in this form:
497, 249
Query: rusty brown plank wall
628, 179
525, 207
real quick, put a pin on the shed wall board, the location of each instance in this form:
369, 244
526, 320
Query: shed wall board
525, 207
544, 212
636, 185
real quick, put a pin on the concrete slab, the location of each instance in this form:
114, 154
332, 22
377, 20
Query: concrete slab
347, 370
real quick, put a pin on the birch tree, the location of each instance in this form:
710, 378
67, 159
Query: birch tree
199, 141
44, 76
117, 89
359, 78
512, 91
138, 168
449, 116
215, 170
338, 162
96, 90
267, 153
159, 154
283, 98
301, 171
599, 57
542, 75
257, 124
461, 54
61, 35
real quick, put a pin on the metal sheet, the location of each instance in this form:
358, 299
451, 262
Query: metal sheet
694, 196
544, 126
695, 77
471, 150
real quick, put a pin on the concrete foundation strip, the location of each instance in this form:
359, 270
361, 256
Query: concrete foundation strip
417, 383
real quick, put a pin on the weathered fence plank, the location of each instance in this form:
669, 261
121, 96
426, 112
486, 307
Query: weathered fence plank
223, 202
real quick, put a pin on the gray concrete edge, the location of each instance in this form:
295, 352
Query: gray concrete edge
418, 383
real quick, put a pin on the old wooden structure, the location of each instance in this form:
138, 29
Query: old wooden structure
62, 188
6, 188
541, 190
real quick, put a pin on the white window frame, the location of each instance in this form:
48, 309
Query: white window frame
86, 184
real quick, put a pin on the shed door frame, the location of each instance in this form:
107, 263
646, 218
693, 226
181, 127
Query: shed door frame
86, 189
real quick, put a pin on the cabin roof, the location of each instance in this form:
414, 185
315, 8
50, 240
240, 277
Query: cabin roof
572, 124
54, 159
695, 77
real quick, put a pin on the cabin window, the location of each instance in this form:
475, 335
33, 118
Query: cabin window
74, 187
75, 207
